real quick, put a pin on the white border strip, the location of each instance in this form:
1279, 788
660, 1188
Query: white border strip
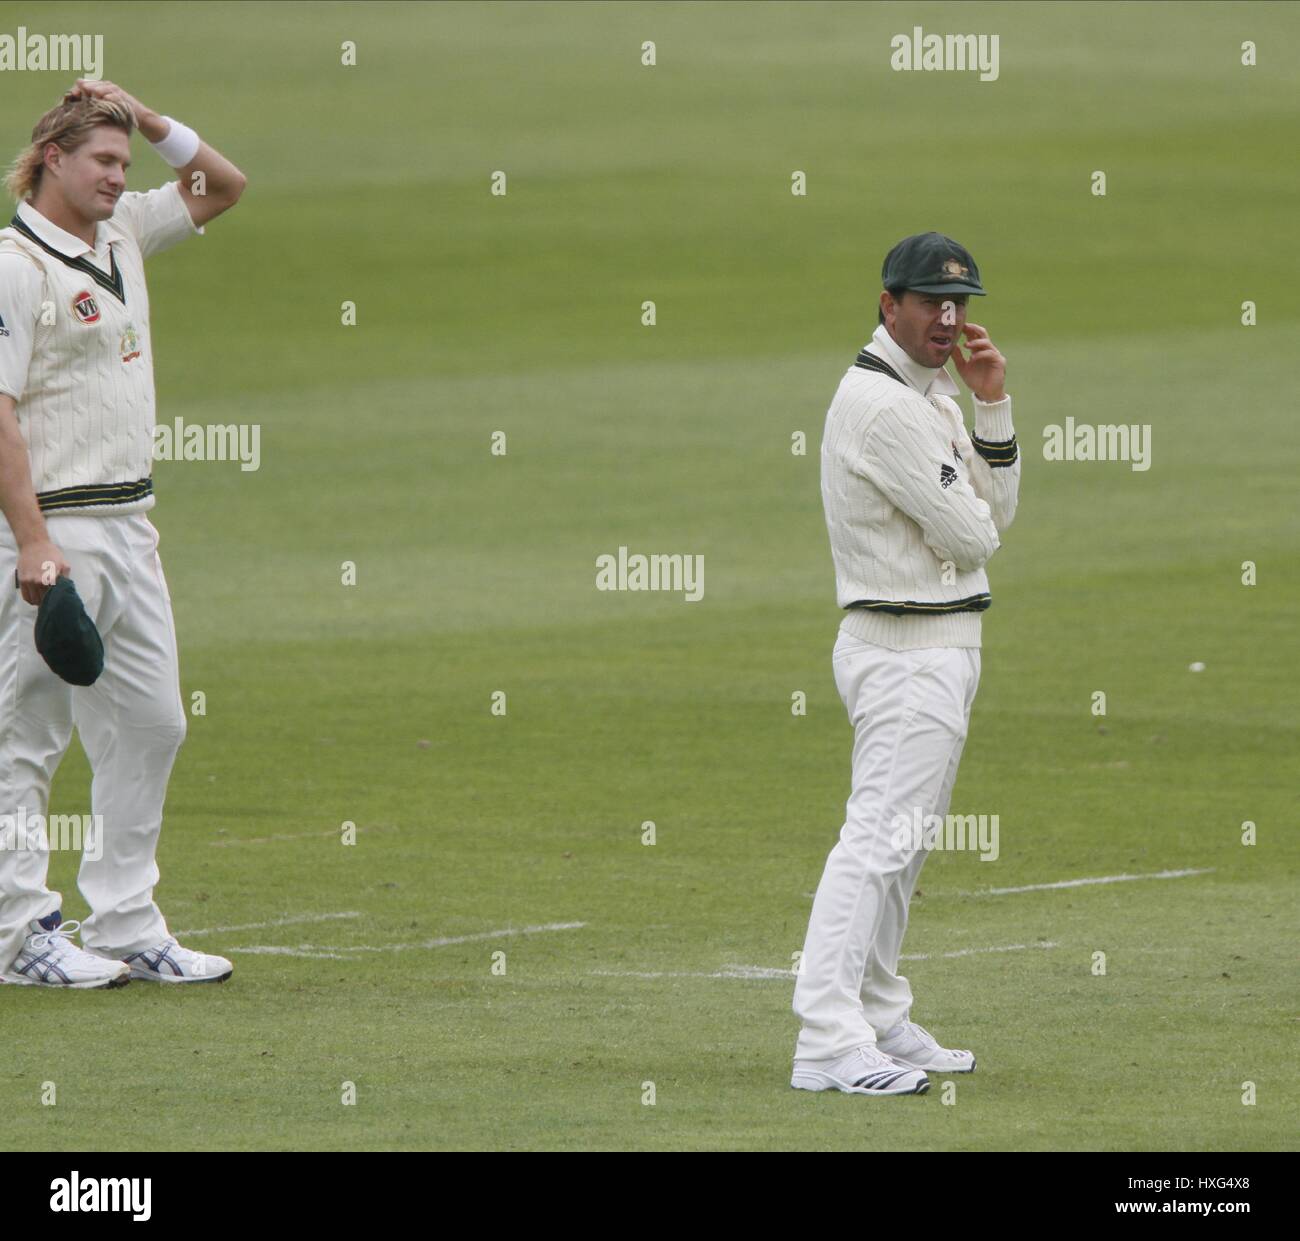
266, 840
1067, 883
1083, 883
759, 973
273, 950
331, 952
970, 952
293, 920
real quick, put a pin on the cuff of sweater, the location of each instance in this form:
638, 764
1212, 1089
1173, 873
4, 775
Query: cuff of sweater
993, 420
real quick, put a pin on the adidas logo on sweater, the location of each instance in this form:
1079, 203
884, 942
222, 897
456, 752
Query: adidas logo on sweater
946, 474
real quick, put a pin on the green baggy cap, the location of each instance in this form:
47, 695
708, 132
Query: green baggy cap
66, 637
931, 263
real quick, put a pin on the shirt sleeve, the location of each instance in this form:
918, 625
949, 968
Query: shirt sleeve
995, 467
908, 455
158, 219
20, 307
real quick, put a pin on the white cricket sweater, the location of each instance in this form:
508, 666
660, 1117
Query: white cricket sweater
914, 506
76, 352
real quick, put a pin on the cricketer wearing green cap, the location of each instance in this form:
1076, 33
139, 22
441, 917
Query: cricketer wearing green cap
938, 272
915, 505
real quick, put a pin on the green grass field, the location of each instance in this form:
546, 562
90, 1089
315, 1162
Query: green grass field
475, 574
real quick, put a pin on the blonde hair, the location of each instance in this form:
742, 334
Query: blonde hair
68, 126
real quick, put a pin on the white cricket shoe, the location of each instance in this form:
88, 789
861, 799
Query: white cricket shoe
909, 1044
865, 1070
169, 962
48, 958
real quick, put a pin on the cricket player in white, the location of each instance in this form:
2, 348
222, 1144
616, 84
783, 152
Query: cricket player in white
76, 455
914, 508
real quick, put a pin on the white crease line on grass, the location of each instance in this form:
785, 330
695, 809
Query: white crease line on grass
755, 973
969, 952
265, 840
340, 953
1083, 883
273, 950
293, 920
1070, 883
751, 972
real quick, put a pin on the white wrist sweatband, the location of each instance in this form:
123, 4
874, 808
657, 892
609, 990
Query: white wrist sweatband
179, 146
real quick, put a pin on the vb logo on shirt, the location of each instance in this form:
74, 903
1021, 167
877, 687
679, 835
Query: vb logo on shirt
4, 331
85, 307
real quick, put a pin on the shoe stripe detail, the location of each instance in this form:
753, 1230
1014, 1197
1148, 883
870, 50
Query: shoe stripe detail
879, 1081
44, 969
157, 960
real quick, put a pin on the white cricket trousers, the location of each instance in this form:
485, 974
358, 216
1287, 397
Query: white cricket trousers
131, 723
910, 711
